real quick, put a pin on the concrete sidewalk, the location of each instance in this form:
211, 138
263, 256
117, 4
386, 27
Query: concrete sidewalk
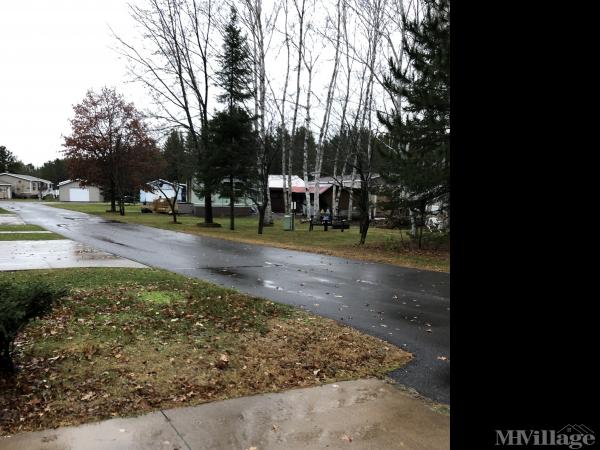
56, 254
362, 414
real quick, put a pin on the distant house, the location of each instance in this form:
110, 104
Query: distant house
167, 188
73, 191
243, 206
276, 189
327, 200
24, 186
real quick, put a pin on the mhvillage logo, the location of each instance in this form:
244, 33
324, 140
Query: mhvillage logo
572, 436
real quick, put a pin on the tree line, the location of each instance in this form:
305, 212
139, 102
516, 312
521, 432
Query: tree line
358, 91
361, 87
54, 170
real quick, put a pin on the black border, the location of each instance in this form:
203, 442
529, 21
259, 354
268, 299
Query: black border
523, 332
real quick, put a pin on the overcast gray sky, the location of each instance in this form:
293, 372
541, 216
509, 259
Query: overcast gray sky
51, 52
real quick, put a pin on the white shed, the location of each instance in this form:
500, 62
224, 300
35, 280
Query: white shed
73, 191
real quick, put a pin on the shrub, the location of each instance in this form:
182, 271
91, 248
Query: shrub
19, 304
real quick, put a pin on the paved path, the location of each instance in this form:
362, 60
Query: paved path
362, 414
56, 254
407, 307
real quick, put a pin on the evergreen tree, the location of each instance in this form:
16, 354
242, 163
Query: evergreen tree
419, 136
233, 153
234, 76
54, 171
8, 160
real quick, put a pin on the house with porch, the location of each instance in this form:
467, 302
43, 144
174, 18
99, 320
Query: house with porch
348, 187
24, 186
276, 191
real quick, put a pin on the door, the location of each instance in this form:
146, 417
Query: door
79, 195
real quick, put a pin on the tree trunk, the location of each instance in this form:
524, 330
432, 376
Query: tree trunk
174, 211
413, 223
231, 204
261, 218
286, 208
113, 199
268, 210
208, 212
351, 192
305, 146
364, 227
364, 210
174, 204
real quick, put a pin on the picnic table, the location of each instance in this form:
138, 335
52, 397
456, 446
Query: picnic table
326, 221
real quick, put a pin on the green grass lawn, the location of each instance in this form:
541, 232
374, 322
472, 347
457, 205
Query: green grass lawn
383, 245
16, 236
128, 341
26, 227
3, 211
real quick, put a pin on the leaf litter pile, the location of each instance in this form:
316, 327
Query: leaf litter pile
129, 342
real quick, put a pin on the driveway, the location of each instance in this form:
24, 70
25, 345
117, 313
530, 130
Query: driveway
407, 307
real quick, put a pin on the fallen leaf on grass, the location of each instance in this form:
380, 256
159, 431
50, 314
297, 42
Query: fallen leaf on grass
223, 361
88, 396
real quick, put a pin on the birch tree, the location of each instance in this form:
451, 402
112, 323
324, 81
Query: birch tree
309, 64
260, 28
325, 125
301, 11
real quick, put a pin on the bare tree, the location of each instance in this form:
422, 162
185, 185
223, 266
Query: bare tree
310, 64
372, 16
301, 10
261, 28
326, 115
287, 184
342, 133
177, 34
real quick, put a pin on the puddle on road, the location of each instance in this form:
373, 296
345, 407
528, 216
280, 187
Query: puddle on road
105, 239
225, 271
74, 218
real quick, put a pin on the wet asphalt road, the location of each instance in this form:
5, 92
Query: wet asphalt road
397, 304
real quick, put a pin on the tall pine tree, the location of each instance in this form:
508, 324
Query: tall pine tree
235, 74
231, 130
419, 134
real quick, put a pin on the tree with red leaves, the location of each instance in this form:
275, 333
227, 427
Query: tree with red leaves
110, 146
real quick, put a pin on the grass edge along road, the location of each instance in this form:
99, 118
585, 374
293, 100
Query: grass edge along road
383, 245
13, 233
129, 341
